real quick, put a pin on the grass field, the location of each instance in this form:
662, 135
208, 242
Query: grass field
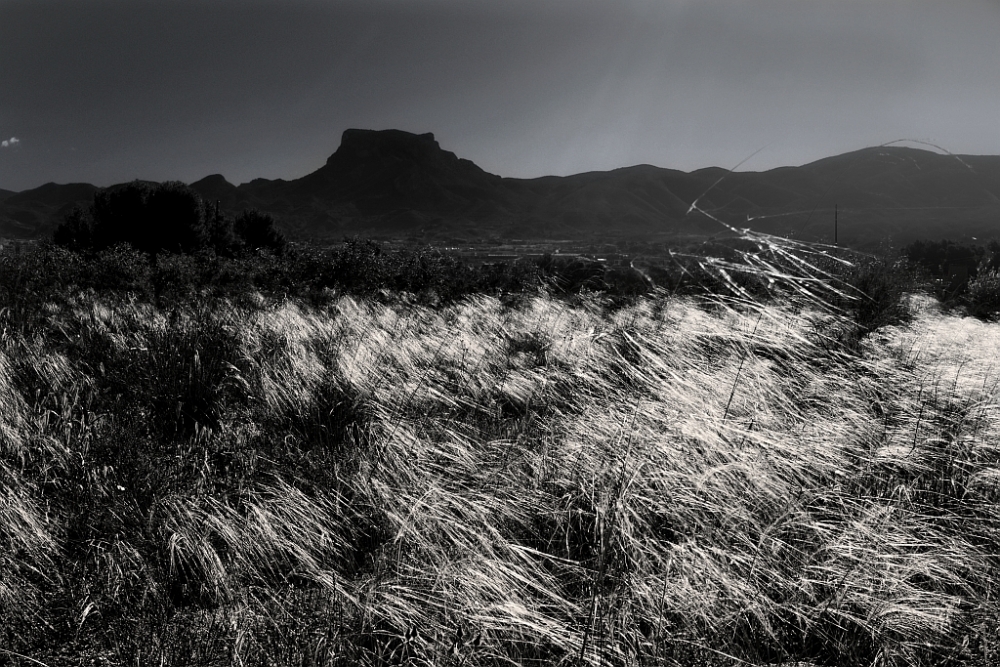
570, 481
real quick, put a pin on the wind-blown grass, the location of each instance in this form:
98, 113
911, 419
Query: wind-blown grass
677, 479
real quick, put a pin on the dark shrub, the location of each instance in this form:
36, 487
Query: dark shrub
256, 231
948, 267
881, 285
152, 218
121, 269
76, 232
176, 221
870, 292
119, 215
221, 235
572, 273
983, 296
29, 281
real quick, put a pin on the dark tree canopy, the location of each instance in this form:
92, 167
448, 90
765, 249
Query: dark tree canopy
118, 215
76, 232
164, 218
175, 219
256, 231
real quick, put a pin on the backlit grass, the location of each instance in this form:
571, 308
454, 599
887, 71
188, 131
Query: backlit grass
555, 481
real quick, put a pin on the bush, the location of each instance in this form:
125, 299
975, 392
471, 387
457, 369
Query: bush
983, 296
76, 232
121, 270
176, 220
164, 218
168, 217
28, 282
118, 215
256, 231
948, 268
880, 286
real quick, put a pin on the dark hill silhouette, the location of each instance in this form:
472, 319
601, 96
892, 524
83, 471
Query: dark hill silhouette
53, 194
380, 172
392, 183
883, 191
389, 182
36, 212
217, 188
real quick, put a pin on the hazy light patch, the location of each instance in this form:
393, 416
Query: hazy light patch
8, 143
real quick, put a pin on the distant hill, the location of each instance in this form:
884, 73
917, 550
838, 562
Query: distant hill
35, 213
396, 184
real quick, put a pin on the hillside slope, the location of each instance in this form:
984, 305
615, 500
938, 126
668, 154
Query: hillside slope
396, 184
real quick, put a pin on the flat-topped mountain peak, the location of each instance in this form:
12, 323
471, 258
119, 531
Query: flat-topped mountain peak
367, 145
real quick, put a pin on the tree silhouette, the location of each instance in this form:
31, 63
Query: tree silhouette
76, 232
256, 231
175, 220
164, 218
119, 216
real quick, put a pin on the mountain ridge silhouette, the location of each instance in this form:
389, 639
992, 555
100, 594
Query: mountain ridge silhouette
391, 183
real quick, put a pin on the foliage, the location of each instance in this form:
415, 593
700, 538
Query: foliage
983, 296
948, 267
174, 221
874, 293
961, 276
161, 218
76, 232
120, 215
256, 231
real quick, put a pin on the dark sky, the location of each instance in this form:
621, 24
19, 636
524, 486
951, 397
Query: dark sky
104, 91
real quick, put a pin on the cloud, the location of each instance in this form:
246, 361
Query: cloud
7, 143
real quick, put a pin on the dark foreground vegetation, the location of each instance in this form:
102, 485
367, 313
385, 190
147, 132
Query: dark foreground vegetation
272, 454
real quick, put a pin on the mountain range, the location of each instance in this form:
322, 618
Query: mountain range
394, 184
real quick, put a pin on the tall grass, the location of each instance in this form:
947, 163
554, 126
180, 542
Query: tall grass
675, 478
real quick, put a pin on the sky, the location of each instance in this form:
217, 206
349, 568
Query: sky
105, 91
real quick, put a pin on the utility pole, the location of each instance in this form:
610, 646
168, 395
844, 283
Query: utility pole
835, 221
